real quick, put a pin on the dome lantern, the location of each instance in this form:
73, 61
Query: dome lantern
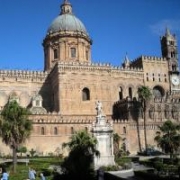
66, 8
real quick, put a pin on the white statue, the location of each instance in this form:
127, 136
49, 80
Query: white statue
99, 108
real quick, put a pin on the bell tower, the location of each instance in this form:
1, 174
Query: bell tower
170, 51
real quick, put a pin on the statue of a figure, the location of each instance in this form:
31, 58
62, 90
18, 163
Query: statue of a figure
99, 108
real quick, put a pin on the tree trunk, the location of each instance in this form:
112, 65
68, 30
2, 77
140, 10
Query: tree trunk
145, 132
139, 137
14, 159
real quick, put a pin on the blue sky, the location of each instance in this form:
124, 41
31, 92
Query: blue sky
116, 27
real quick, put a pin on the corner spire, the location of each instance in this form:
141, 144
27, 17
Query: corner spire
66, 7
167, 33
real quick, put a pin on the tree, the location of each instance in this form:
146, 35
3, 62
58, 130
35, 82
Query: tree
168, 138
136, 114
15, 127
21, 150
116, 140
79, 163
145, 95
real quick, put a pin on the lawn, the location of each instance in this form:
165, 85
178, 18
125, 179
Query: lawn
39, 164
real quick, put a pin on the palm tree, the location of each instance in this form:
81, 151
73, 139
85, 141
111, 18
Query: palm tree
136, 114
145, 95
168, 138
15, 127
79, 163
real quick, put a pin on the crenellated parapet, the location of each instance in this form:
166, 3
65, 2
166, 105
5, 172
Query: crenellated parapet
62, 66
56, 118
149, 58
153, 58
143, 62
23, 74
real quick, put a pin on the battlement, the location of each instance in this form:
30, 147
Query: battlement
95, 66
56, 117
153, 58
149, 58
23, 74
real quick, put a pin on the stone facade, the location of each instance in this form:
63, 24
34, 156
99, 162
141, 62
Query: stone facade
62, 97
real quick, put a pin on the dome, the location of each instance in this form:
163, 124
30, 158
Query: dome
67, 22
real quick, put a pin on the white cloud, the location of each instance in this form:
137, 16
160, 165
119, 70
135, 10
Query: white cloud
159, 27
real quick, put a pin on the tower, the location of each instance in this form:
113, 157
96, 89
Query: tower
67, 39
170, 52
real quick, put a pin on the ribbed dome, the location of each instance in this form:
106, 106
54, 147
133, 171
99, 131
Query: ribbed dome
67, 22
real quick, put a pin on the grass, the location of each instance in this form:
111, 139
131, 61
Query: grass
39, 164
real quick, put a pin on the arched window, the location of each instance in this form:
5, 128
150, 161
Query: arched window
120, 93
86, 129
55, 131
72, 130
85, 94
147, 77
55, 53
124, 130
173, 54
130, 92
73, 52
42, 131
174, 67
87, 55
158, 92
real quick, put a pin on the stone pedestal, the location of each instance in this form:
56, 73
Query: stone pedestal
103, 131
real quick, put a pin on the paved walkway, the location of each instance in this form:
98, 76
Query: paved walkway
129, 174
10, 160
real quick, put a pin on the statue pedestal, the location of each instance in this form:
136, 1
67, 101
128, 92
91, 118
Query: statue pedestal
103, 131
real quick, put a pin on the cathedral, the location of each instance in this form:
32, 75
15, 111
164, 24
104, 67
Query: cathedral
62, 98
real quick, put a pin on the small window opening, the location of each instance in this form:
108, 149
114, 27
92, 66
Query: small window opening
55, 53
85, 94
73, 52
